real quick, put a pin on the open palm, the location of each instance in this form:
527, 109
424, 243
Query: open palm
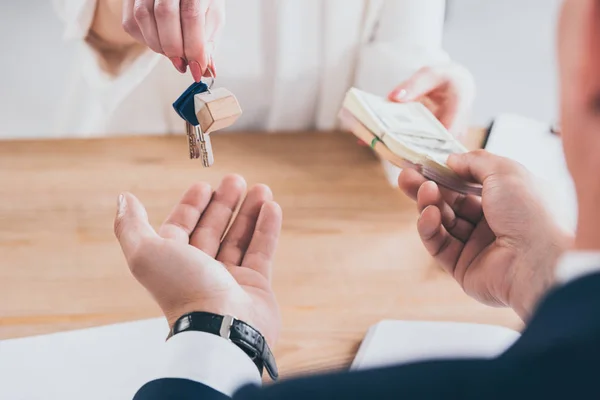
195, 263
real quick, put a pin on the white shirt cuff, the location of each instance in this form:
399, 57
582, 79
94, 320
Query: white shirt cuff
210, 360
577, 264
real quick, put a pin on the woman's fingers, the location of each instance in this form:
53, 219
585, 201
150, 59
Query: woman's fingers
418, 85
143, 13
214, 22
183, 30
168, 24
193, 21
129, 23
447, 90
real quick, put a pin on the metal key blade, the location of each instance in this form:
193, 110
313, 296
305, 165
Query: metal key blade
206, 153
193, 146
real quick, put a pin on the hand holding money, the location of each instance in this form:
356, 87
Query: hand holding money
446, 90
408, 135
506, 237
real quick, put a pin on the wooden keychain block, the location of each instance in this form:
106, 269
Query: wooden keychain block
216, 109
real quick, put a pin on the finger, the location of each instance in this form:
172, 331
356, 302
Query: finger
215, 220
212, 29
465, 207
439, 243
129, 23
447, 113
211, 71
479, 165
263, 244
409, 181
143, 12
131, 224
215, 21
420, 84
180, 224
430, 195
193, 19
435, 88
481, 237
168, 25
238, 237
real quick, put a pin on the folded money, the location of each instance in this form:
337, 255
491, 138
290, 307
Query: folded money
406, 134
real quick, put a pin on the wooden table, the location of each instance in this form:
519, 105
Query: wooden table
349, 255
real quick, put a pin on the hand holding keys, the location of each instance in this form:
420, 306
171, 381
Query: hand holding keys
206, 111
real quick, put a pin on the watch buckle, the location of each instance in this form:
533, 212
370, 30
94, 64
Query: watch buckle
226, 325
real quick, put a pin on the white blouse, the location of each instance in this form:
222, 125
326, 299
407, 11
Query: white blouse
289, 63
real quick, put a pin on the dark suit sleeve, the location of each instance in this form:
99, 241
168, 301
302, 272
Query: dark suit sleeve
178, 389
556, 357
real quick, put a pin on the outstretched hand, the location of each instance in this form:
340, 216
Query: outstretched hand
193, 263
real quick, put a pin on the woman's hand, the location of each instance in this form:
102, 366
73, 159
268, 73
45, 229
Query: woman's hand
183, 30
447, 90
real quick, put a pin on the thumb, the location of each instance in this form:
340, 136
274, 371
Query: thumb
479, 165
421, 83
131, 224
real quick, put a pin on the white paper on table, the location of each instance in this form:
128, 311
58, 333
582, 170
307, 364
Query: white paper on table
530, 143
109, 362
399, 342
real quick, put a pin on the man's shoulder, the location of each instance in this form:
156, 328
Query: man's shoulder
568, 313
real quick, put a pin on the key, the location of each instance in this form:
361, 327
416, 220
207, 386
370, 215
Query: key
206, 153
213, 110
193, 140
199, 145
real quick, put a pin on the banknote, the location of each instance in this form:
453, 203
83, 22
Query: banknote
407, 134
409, 128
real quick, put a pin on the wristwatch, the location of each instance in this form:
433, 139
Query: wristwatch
238, 332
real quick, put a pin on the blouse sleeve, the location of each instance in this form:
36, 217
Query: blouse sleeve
401, 36
405, 36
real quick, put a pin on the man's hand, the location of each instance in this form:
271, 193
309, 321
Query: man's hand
183, 30
447, 90
187, 267
501, 248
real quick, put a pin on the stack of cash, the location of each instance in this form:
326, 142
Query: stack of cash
406, 134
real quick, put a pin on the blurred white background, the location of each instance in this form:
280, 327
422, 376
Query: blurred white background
507, 44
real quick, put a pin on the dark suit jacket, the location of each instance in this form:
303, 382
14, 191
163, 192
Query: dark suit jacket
558, 356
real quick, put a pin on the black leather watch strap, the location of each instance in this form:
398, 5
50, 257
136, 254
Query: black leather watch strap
238, 332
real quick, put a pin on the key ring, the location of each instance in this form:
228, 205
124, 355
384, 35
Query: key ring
212, 76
